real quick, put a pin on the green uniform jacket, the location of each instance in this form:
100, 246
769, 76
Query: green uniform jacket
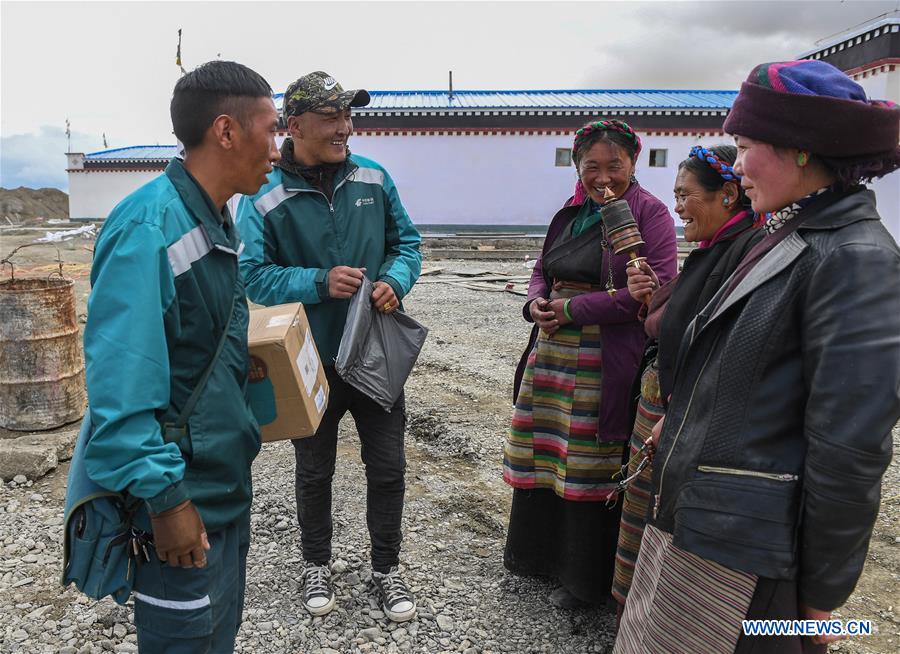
294, 236
164, 275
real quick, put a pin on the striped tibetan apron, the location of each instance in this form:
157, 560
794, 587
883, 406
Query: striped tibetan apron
637, 495
552, 442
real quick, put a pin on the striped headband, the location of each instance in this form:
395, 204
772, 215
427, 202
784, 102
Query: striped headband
607, 125
725, 170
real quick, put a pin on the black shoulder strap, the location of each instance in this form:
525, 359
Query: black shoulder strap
174, 431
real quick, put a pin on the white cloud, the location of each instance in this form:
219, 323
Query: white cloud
38, 160
110, 66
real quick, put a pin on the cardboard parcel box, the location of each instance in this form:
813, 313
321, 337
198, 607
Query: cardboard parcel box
287, 385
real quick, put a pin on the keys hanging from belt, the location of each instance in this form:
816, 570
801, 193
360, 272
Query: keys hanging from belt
137, 543
136, 548
646, 453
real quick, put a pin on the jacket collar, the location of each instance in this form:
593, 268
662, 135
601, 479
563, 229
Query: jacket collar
294, 172
201, 206
829, 211
562, 217
734, 227
839, 209
776, 260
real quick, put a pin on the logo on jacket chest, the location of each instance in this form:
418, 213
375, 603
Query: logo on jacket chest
363, 202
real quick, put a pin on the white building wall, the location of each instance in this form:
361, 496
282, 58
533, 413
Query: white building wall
886, 86
500, 179
92, 195
477, 179
887, 198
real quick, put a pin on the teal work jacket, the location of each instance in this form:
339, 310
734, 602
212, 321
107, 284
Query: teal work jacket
294, 235
164, 275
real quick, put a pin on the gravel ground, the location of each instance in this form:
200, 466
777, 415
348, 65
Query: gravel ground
456, 510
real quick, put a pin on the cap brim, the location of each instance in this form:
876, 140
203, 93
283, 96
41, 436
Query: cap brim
358, 98
353, 98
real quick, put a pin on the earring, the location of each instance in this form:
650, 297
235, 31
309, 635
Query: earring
802, 158
725, 202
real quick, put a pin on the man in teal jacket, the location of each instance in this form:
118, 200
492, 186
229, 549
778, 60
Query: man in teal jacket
324, 219
165, 287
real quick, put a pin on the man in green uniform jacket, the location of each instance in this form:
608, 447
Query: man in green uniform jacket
165, 288
324, 219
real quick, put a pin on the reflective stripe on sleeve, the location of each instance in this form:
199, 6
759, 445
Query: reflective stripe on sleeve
191, 247
368, 176
272, 199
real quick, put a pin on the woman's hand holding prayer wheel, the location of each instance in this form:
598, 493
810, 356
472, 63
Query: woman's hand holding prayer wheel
642, 281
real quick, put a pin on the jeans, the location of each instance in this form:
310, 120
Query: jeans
194, 610
381, 440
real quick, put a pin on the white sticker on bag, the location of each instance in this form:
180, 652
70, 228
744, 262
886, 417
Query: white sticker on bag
320, 400
308, 363
279, 321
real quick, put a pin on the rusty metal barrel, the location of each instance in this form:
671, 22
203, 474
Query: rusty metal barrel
41, 363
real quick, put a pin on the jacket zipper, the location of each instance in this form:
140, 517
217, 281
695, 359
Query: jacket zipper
315, 190
749, 473
687, 411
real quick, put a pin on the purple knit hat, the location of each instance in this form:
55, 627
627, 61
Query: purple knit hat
811, 105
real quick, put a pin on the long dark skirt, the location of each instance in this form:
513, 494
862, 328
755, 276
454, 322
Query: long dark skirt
776, 600
571, 542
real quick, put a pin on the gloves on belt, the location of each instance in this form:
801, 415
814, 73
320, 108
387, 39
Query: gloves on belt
179, 536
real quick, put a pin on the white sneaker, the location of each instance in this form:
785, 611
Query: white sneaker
397, 602
318, 595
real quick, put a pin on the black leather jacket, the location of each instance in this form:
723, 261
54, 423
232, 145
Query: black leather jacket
779, 429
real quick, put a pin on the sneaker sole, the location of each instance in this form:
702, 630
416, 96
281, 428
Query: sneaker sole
399, 617
322, 610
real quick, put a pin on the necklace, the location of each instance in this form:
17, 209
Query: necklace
610, 286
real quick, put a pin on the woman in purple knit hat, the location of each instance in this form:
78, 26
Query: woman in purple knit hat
767, 475
571, 425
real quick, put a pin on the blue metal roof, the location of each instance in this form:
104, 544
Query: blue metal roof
546, 100
549, 100
142, 152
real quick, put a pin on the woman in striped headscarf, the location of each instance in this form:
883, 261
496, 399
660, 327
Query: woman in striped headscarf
717, 216
570, 423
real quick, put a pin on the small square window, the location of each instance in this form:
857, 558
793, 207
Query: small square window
563, 157
658, 158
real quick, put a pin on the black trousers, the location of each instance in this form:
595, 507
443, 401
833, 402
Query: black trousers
381, 437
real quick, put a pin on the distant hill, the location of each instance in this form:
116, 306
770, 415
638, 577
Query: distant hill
24, 206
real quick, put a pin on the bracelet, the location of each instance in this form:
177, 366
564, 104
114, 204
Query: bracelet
566, 309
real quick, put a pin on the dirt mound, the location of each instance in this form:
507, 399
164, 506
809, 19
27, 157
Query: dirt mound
24, 206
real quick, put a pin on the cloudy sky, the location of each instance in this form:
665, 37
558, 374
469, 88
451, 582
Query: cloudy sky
109, 67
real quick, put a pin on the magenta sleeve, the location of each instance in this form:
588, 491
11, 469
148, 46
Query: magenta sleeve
537, 287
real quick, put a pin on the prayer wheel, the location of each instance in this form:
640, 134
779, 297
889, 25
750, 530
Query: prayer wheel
41, 362
621, 229
622, 232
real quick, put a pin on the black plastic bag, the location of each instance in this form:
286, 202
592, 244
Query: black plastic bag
378, 351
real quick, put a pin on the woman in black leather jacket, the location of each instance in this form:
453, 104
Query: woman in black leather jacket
767, 478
